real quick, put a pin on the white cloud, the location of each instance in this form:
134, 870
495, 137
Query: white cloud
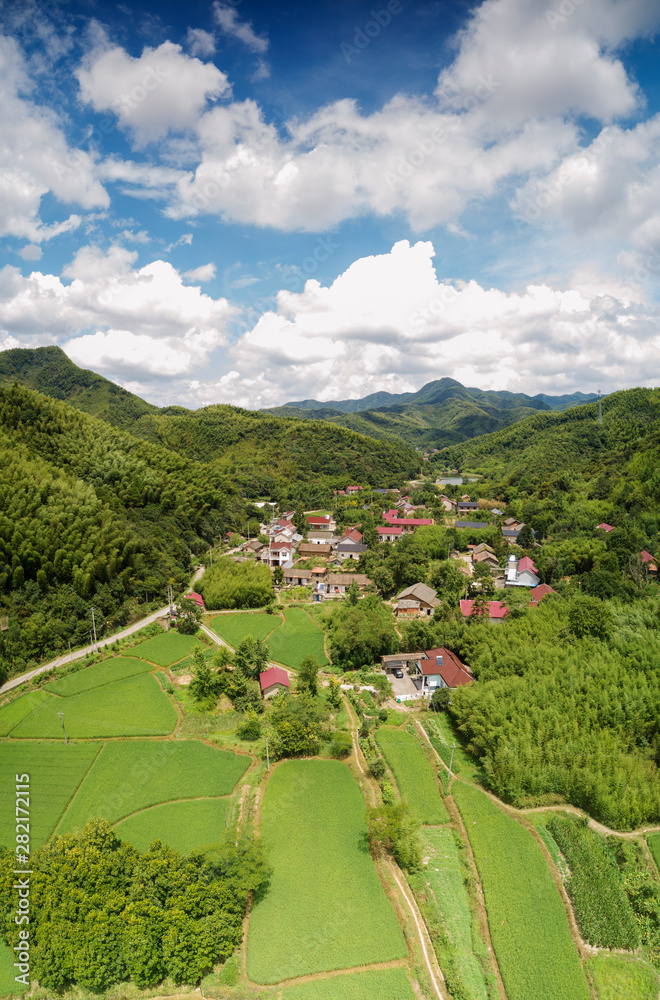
144, 318
163, 91
227, 19
609, 193
200, 42
35, 158
31, 252
206, 272
389, 313
530, 61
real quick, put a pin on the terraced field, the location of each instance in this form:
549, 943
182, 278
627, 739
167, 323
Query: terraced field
297, 638
233, 628
528, 924
185, 826
129, 776
326, 908
98, 675
134, 706
166, 649
385, 984
414, 775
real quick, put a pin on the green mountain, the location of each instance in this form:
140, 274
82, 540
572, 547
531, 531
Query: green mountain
441, 413
290, 460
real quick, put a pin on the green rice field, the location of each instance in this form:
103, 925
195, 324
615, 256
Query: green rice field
654, 846
98, 675
443, 881
166, 649
233, 628
619, 978
185, 826
384, 984
528, 924
135, 706
297, 638
290, 639
55, 772
19, 709
130, 776
414, 775
325, 908
8, 985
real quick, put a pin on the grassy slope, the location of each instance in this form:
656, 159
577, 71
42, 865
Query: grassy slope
135, 706
619, 978
233, 628
528, 924
326, 908
19, 709
129, 776
414, 775
55, 772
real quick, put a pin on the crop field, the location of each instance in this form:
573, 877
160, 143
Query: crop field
414, 775
130, 776
619, 978
166, 649
8, 986
297, 638
55, 772
135, 706
185, 826
19, 709
601, 905
325, 908
441, 736
385, 984
444, 880
528, 924
654, 846
234, 628
98, 675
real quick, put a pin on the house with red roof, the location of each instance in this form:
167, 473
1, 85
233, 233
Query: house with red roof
538, 593
197, 598
605, 527
351, 545
321, 522
408, 524
497, 610
274, 680
521, 573
389, 534
650, 562
277, 554
440, 668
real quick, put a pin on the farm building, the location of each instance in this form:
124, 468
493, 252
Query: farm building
338, 583
297, 577
389, 534
351, 545
315, 550
274, 680
416, 601
650, 563
321, 522
538, 593
496, 610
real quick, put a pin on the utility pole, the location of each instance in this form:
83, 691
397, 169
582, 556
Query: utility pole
61, 715
482, 870
267, 757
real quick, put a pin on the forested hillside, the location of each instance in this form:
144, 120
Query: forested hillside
290, 460
90, 515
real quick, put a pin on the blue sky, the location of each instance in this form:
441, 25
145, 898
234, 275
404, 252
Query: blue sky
252, 202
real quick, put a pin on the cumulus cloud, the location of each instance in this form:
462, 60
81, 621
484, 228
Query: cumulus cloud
206, 272
31, 252
35, 158
161, 92
390, 314
609, 191
113, 316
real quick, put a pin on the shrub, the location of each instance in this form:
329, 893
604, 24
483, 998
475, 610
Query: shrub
341, 744
377, 768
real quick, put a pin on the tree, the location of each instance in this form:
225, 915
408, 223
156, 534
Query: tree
251, 657
390, 829
308, 675
204, 684
525, 537
440, 699
589, 616
334, 692
352, 593
278, 575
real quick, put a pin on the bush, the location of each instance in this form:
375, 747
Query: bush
377, 768
251, 727
341, 744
